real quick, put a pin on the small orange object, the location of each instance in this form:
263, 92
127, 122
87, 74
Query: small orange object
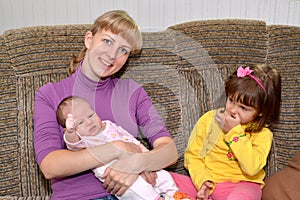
181, 196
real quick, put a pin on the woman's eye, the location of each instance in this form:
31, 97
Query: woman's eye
124, 51
107, 41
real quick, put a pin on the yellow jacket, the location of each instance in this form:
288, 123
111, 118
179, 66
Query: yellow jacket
206, 156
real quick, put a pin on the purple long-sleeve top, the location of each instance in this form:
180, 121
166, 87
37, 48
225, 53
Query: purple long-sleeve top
122, 101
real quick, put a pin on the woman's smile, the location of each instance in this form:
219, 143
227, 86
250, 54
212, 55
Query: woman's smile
105, 63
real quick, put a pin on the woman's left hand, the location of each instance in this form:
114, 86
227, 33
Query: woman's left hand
120, 175
117, 182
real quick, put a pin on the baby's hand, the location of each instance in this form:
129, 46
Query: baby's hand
70, 124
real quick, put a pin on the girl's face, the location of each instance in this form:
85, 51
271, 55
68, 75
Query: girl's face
240, 111
87, 122
106, 54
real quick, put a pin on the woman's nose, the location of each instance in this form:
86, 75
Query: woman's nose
112, 53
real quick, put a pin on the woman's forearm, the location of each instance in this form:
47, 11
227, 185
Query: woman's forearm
62, 163
162, 155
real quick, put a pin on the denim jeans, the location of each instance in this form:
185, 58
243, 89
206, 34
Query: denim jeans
107, 198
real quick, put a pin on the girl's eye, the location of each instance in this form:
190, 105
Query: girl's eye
79, 123
244, 108
231, 100
107, 41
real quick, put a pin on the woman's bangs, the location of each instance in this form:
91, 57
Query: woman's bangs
128, 31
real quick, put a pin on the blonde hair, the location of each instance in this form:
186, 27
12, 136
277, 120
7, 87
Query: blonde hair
117, 22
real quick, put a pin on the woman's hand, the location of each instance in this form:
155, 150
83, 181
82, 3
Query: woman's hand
226, 121
122, 173
117, 181
203, 193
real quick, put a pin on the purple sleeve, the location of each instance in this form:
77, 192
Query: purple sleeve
148, 119
48, 136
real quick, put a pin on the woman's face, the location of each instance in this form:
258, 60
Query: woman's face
106, 54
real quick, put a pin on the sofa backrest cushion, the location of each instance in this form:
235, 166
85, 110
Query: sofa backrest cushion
37, 55
284, 54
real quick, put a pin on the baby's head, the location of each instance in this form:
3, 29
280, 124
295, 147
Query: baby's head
257, 86
86, 121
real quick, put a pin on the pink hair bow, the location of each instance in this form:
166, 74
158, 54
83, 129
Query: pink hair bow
241, 72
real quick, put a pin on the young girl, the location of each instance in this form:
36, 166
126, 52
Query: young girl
228, 148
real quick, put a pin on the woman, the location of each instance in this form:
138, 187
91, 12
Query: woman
107, 47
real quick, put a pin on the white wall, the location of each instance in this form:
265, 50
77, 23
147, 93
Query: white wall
151, 15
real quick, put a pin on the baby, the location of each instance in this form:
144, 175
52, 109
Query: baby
84, 128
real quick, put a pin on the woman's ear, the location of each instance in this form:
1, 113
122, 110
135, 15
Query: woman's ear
88, 39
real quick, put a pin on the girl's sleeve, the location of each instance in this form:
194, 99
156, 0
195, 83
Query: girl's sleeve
251, 152
193, 161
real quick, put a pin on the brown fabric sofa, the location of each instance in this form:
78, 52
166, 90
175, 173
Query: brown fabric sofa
182, 68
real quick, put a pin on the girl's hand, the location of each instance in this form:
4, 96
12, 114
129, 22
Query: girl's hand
226, 121
203, 193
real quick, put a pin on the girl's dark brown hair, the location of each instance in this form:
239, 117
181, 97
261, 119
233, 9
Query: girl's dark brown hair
118, 22
247, 91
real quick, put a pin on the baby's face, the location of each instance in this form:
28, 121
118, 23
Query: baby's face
87, 122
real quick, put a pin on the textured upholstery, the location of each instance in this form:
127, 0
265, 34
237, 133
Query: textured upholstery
284, 54
182, 68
